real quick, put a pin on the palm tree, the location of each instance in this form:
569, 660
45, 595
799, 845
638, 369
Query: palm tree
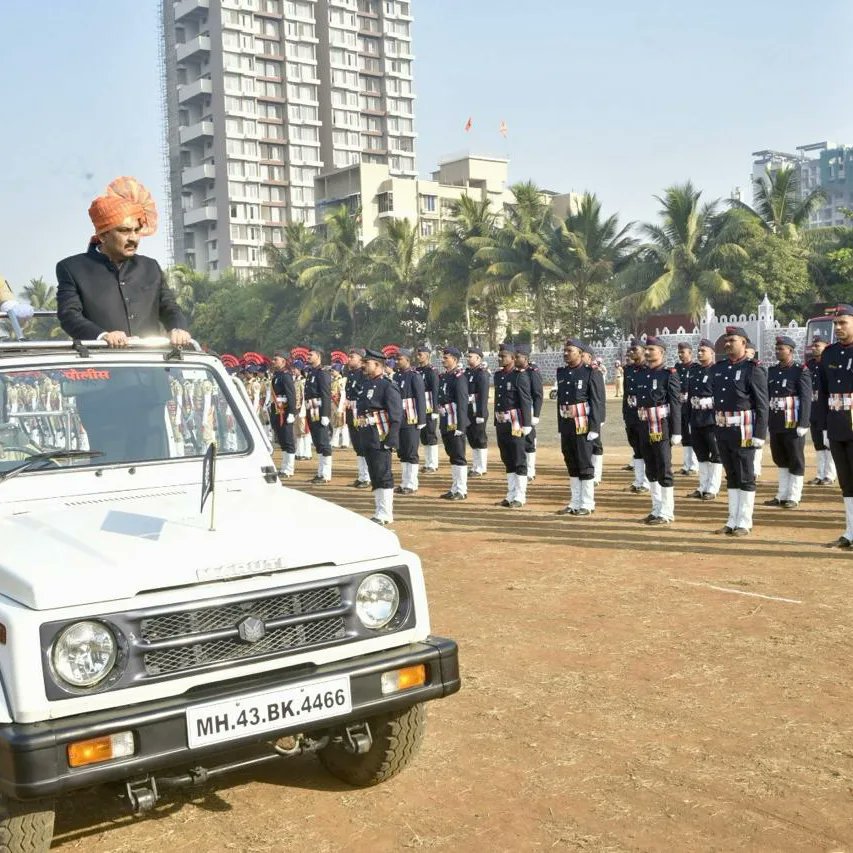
688, 246
778, 206
514, 258
584, 251
456, 278
392, 271
42, 296
189, 286
300, 242
335, 275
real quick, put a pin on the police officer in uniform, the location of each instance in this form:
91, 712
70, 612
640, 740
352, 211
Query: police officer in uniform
659, 409
537, 395
740, 410
411, 386
633, 426
513, 424
318, 404
354, 375
379, 413
685, 367
825, 466
282, 412
835, 410
588, 357
477, 374
580, 408
700, 398
789, 385
453, 411
429, 434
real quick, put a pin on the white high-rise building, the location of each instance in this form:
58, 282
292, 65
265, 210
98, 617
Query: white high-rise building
261, 96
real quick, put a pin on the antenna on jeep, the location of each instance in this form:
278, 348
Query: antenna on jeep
208, 482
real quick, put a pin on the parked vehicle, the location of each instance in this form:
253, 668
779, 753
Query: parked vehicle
144, 631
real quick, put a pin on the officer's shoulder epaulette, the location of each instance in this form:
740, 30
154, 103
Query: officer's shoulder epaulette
533, 367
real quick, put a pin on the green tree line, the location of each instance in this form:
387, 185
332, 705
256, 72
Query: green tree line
522, 272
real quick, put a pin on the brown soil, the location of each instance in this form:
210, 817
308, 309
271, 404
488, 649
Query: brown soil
624, 688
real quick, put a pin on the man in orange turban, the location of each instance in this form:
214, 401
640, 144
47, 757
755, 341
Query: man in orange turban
110, 292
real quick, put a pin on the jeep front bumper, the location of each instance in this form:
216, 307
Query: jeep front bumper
34, 756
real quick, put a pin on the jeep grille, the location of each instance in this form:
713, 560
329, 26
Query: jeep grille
182, 640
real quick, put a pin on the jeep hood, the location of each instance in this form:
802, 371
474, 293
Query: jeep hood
104, 549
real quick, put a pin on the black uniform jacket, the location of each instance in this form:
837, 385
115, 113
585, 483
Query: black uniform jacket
741, 386
318, 384
685, 372
453, 391
789, 383
379, 395
813, 364
284, 387
478, 388
580, 385
537, 392
512, 391
430, 378
700, 395
660, 386
629, 398
411, 385
95, 296
835, 391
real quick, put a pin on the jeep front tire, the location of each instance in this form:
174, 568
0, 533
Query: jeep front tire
25, 827
396, 737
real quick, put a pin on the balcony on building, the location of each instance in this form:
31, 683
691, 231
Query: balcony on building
195, 215
194, 174
194, 48
199, 131
191, 9
192, 91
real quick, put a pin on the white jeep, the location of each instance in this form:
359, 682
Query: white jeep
143, 637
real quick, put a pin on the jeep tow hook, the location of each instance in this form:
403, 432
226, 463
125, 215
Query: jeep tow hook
143, 794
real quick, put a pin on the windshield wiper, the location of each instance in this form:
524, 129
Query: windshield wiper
44, 457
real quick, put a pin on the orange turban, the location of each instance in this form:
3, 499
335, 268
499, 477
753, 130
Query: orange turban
124, 197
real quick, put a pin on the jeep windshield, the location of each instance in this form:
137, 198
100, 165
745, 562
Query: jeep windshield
125, 413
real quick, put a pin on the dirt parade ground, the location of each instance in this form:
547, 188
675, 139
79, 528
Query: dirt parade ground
625, 687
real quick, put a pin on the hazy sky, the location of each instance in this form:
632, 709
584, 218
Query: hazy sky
621, 98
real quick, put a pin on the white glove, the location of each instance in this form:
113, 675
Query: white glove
324, 421
758, 443
591, 436
434, 416
526, 430
421, 426
480, 420
675, 440
825, 438
801, 431
535, 421
458, 433
290, 419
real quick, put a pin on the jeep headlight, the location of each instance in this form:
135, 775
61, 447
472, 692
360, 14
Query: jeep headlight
377, 601
84, 654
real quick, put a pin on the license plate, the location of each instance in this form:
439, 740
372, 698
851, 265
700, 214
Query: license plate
255, 713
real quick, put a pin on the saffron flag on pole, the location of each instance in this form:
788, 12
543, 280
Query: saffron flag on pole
503, 129
469, 124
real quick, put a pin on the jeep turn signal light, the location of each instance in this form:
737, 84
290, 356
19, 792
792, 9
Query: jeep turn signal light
403, 679
98, 749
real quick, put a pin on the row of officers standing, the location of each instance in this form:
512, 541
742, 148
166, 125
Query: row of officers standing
722, 411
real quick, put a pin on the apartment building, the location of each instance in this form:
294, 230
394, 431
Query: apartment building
261, 96
381, 196
820, 164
